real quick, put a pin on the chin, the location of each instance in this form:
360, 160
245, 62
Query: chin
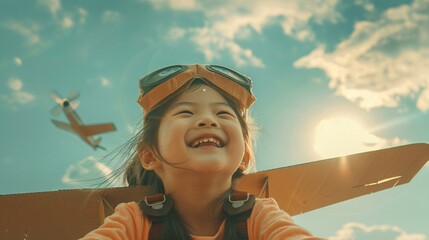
215, 168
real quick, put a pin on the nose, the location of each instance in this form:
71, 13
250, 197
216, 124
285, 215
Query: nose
207, 121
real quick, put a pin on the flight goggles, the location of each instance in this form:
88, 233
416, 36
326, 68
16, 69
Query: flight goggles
161, 84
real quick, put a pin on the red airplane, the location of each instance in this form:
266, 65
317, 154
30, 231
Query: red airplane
76, 126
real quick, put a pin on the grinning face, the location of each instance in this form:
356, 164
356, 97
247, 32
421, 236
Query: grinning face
200, 133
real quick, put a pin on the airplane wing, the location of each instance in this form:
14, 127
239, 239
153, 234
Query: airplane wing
297, 189
63, 125
90, 130
305, 187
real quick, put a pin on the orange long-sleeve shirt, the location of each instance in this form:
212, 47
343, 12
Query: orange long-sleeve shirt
267, 221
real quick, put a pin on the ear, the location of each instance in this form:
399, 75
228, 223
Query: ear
147, 159
245, 162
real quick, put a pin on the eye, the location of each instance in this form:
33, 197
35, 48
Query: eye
187, 112
224, 113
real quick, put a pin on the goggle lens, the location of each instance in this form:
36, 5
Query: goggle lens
229, 73
161, 75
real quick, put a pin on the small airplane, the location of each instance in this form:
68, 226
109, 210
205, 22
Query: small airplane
76, 126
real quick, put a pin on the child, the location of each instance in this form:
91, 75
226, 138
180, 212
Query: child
194, 144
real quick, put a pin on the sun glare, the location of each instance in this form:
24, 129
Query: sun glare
343, 136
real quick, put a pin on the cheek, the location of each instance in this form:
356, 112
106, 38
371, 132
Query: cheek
239, 141
164, 136
242, 142
170, 137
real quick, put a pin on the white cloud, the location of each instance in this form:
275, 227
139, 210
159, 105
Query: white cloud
15, 84
176, 33
229, 21
175, 4
22, 97
17, 95
82, 15
211, 44
64, 18
29, 31
366, 4
381, 61
53, 5
131, 128
105, 82
17, 61
355, 230
87, 173
67, 22
423, 100
111, 16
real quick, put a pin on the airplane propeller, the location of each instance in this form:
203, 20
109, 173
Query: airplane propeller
64, 102
73, 96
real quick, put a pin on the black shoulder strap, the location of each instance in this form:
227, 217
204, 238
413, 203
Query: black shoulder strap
240, 205
156, 207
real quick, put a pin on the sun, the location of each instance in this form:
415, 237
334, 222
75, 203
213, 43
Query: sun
343, 136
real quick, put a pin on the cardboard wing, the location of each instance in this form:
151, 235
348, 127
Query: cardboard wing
302, 188
66, 214
70, 214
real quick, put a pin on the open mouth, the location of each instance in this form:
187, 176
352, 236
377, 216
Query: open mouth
207, 141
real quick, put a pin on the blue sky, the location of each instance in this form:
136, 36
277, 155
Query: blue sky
331, 78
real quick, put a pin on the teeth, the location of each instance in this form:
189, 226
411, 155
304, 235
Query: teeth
205, 140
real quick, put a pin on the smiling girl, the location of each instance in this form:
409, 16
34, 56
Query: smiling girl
195, 143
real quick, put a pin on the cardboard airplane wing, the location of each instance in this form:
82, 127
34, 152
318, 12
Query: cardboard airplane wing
70, 214
305, 187
65, 214
90, 130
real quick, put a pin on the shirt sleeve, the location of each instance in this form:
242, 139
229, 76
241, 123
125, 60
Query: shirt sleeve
268, 221
126, 223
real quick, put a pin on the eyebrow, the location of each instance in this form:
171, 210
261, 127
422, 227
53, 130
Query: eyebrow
220, 104
194, 104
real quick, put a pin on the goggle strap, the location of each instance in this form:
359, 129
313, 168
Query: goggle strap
162, 92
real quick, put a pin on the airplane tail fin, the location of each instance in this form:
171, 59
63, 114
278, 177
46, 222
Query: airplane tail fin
96, 144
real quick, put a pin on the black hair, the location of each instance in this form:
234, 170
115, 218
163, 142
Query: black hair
146, 139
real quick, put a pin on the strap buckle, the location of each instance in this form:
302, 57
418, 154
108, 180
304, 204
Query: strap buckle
238, 199
156, 202
156, 207
239, 203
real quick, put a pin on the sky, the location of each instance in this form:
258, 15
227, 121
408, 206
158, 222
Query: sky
331, 78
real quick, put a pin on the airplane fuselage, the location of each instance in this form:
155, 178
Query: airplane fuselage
76, 123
